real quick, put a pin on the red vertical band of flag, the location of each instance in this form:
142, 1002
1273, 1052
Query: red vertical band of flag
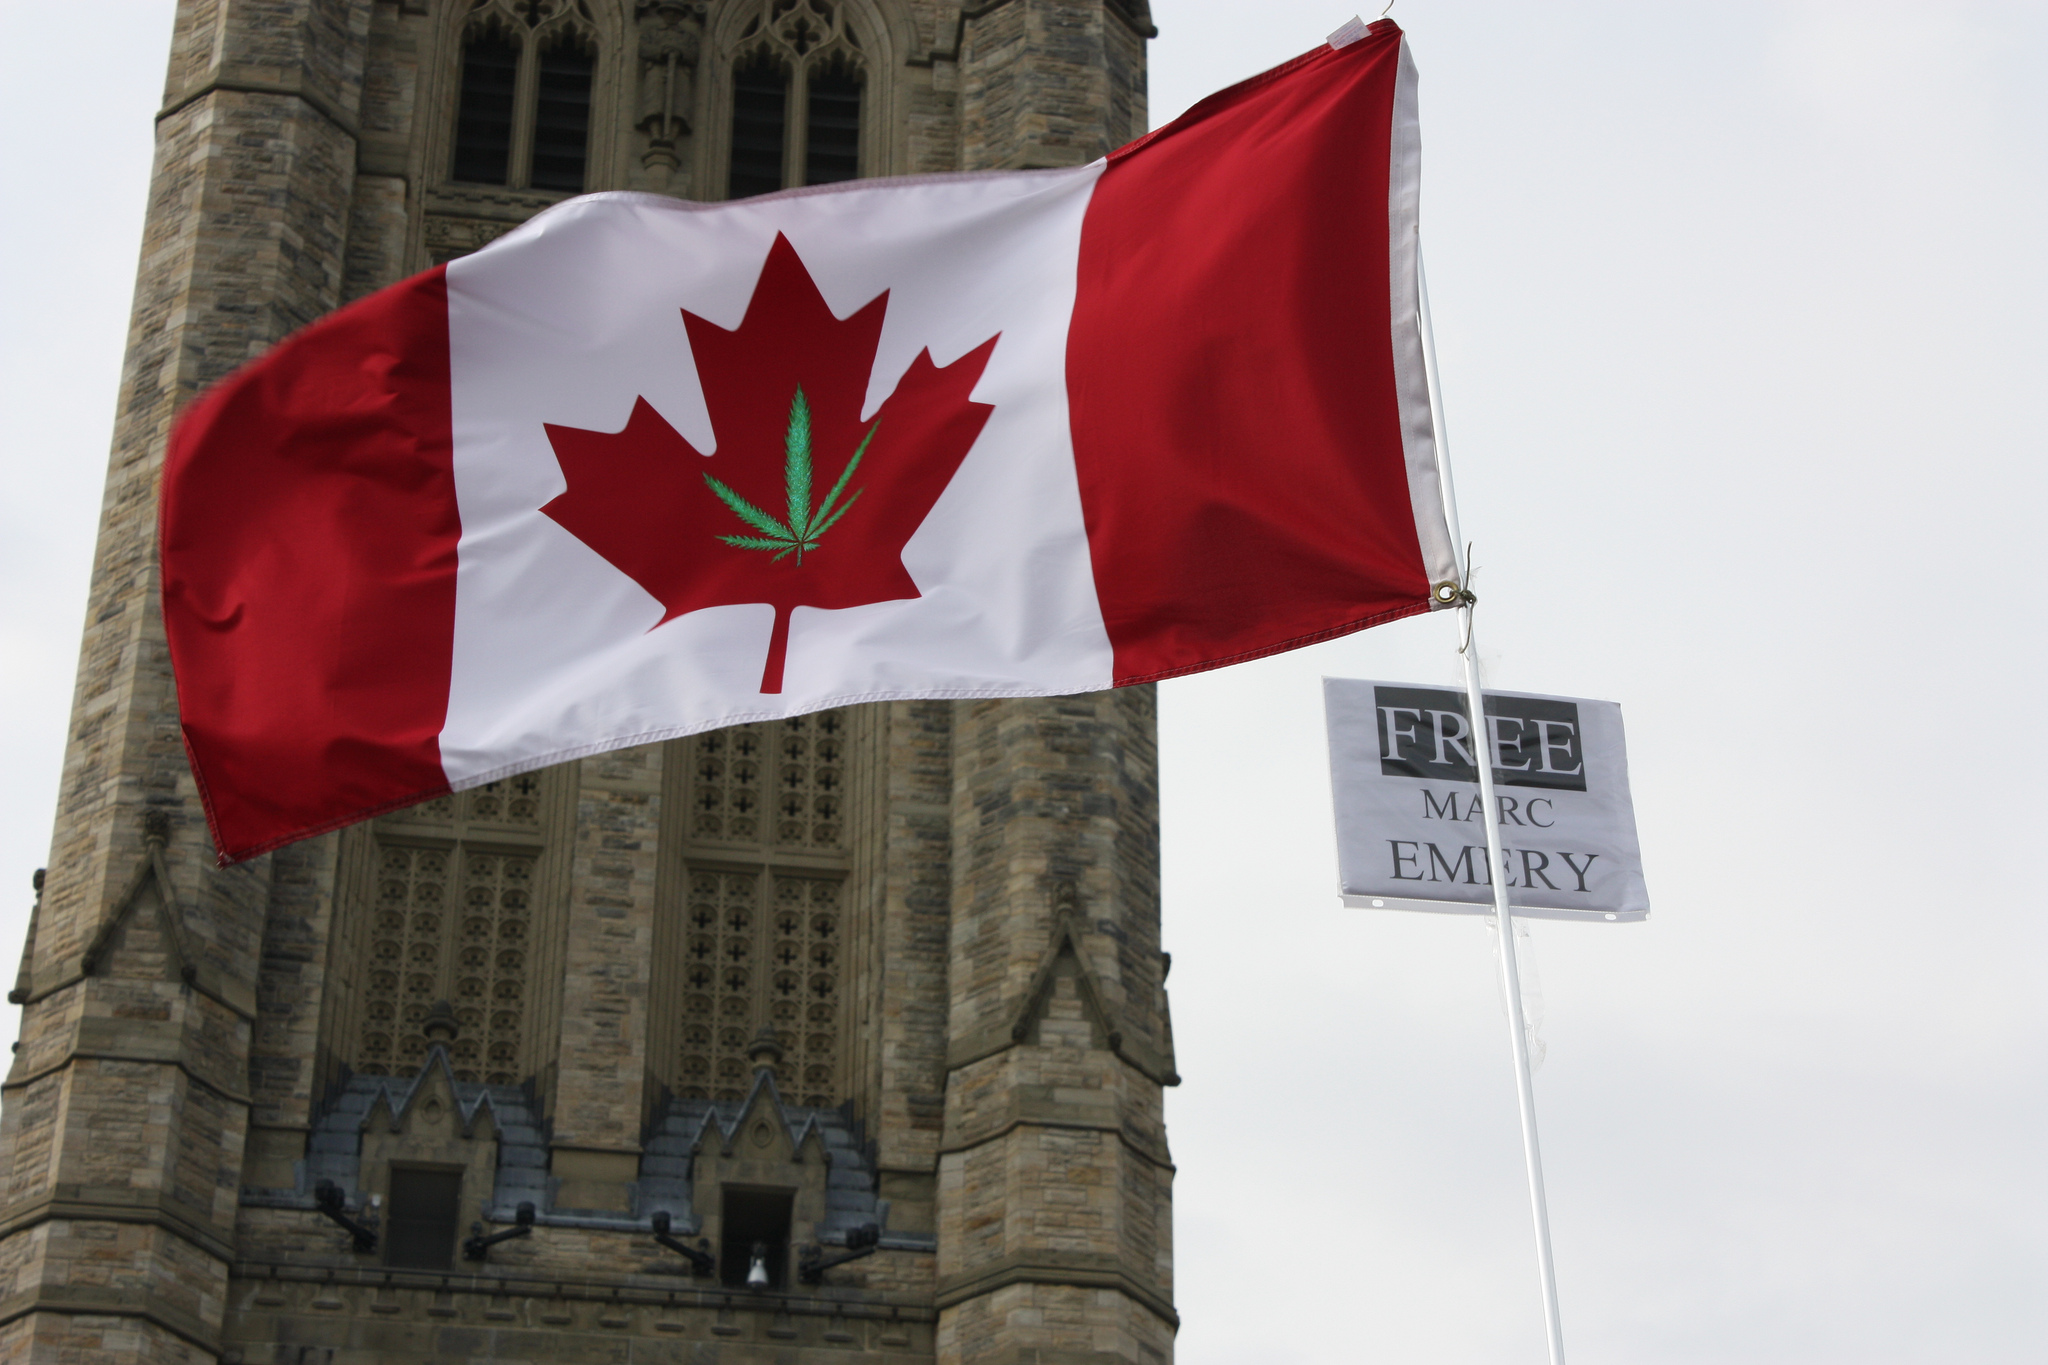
314, 573
1230, 373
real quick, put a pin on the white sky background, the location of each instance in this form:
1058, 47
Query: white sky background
1741, 310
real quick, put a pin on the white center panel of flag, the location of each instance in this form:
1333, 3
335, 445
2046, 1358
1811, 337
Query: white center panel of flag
576, 316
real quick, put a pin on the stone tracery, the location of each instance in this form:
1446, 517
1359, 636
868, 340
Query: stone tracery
763, 930
452, 922
524, 94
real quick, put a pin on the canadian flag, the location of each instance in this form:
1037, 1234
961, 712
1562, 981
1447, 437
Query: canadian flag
645, 467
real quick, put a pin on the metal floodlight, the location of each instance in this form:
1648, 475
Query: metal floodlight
860, 1241
702, 1262
478, 1246
332, 1204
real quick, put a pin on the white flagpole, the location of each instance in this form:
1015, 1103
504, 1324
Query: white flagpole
1482, 750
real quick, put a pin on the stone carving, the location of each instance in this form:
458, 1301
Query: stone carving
802, 27
671, 39
777, 782
747, 962
448, 238
763, 947
452, 923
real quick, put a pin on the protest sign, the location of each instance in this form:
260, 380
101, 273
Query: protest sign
1410, 827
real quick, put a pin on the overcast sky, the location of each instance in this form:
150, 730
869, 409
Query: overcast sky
1741, 310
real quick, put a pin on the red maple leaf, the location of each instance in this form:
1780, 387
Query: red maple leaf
748, 525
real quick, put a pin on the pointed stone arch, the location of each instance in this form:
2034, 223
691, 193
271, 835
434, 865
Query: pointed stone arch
1066, 957
150, 886
803, 38
461, 216
762, 1150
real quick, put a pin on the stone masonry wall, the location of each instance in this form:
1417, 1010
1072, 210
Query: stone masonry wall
1054, 1178
599, 1095
1050, 82
911, 955
132, 1082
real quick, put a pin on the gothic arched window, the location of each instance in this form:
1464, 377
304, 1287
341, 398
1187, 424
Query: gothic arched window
523, 111
483, 120
760, 105
796, 99
757, 908
561, 120
832, 124
455, 913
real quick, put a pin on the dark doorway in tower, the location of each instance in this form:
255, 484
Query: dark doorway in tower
754, 1230
424, 1211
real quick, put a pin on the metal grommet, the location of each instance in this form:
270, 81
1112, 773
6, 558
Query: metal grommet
1447, 593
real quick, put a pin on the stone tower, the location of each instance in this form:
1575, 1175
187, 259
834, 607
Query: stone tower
837, 1038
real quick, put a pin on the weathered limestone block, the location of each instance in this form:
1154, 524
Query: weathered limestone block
1050, 82
601, 1095
284, 1075
1044, 1324
1054, 1236
908, 1071
1052, 793
126, 1152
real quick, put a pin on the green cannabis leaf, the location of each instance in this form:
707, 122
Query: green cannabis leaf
804, 527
